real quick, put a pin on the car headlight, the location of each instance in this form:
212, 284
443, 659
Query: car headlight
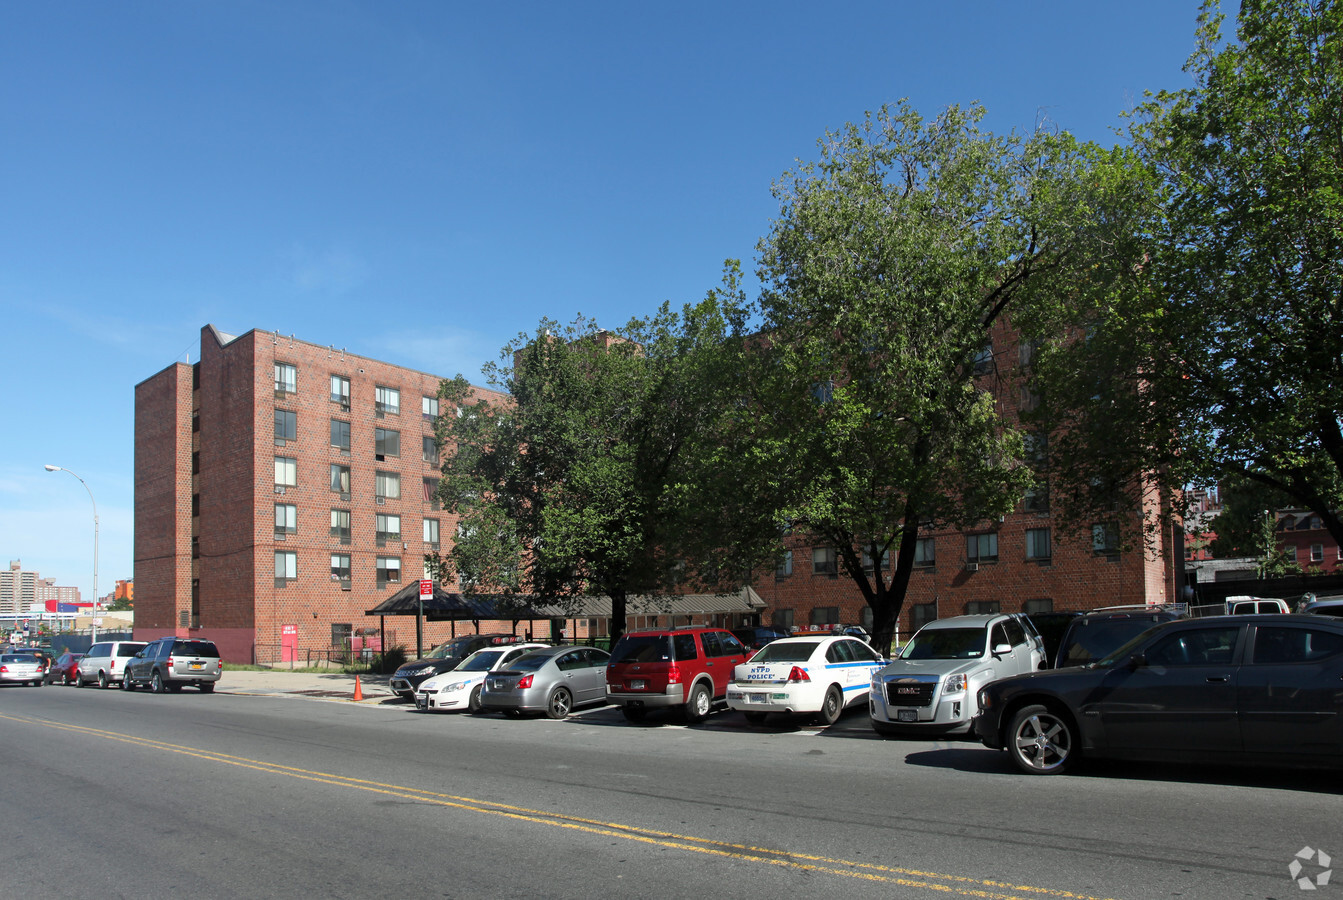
954, 684
455, 686
423, 670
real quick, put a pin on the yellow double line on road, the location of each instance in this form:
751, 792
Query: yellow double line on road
909, 878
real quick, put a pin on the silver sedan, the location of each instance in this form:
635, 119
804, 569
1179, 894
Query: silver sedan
22, 668
555, 681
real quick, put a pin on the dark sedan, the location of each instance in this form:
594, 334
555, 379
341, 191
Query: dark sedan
1226, 689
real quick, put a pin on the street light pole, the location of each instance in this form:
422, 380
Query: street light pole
51, 468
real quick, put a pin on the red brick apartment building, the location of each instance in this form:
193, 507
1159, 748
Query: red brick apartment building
282, 489
1302, 536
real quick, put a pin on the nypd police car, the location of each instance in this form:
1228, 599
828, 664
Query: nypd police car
808, 674
460, 688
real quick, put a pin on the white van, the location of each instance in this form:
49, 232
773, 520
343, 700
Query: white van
1236, 606
105, 662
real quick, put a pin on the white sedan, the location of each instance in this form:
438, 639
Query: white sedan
460, 688
818, 675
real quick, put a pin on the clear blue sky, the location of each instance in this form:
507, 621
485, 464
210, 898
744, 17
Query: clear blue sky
420, 181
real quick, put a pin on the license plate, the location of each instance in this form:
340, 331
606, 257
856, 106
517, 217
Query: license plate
198, 665
757, 698
421, 703
906, 715
639, 684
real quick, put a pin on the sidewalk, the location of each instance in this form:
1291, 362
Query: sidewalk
314, 685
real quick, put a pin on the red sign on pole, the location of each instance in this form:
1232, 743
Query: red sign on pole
426, 589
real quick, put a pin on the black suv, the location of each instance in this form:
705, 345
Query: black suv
170, 662
443, 658
1100, 632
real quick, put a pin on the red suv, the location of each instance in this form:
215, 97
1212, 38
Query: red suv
687, 668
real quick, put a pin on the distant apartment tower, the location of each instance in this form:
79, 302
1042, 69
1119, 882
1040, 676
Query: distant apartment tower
282, 489
18, 589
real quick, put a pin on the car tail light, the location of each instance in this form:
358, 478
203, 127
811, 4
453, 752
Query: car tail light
4, 668
525, 682
170, 662
673, 674
798, 674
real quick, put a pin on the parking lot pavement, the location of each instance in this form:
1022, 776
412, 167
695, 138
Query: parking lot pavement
310, 685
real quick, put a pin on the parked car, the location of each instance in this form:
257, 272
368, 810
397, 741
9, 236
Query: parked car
21, 668
930, 687
755, 638
106, 661
41, 654
1236, 606
679, 668
461, 687
443, 658
555, 680
1262, 689
1332, 606
169, 663
65, 669
1052, 626
818, 676
1099, 632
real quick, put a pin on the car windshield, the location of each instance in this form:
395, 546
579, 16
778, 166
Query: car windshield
480, 661
1090, 641
15, 657
531, 662
946, 643
449, 650
800, 651
642, 648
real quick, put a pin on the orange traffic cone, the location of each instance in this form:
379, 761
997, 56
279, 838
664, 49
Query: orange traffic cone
358, 691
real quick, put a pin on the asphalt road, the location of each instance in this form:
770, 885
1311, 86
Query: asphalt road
108, 794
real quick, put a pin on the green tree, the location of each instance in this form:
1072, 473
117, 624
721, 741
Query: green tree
896, 258
1246, 507
585, 482
1218, 354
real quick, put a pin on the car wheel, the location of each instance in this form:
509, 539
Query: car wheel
156, 683
832, 706
102, 680
473, 702
207, 687
698, 706
560, 703
755, 718
79, 680
66, 679
633, 713
126, 684
1041, 742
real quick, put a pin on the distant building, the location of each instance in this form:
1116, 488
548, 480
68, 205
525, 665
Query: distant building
20, 591
1301, 535
282, 489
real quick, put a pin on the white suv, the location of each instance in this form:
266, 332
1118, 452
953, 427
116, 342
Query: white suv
931, 687
106, 662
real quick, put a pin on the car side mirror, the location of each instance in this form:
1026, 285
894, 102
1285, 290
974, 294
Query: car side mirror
1002, 649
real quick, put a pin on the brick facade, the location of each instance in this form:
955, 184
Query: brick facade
206, 495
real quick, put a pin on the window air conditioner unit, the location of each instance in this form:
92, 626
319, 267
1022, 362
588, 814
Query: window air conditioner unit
345, 497
380, 500
972, 567
279, 489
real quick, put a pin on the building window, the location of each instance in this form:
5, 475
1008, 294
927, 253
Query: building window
823, 562
785, 566
431, 532
387, 402
1037, 543
386, 443
981, 548
429, 407
822, 616
387, 484
340, 391
982, 608
1317, 552
431, 493
286, 472
1290, 550
922, 614
286, 426
340, 436
782, 619
340, 479
195, 504
868, 565
1038, 606
984, 360
925, 553
1037, 496
388, 571
386, 528
286, 378
430, 450
286, 519
286, 567
1105, 538
340, 567
340, 525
